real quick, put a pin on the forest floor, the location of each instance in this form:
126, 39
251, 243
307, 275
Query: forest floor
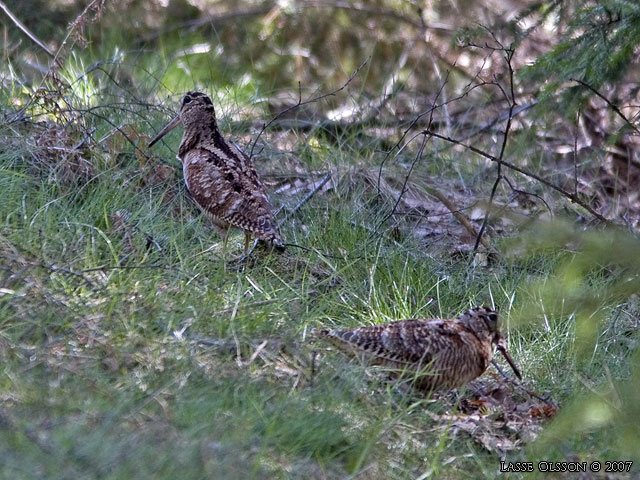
131, 347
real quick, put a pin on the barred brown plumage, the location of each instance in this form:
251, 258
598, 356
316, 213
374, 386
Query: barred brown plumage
441, 353
222, 180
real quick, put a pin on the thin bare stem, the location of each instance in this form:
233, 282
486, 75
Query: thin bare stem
315, 189
511, 100
25, 30
574, 198
311, 100
608, 102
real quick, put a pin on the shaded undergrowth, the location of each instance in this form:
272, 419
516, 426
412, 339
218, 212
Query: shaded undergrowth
130, 347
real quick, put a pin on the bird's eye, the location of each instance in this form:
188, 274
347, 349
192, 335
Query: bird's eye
493, 317
186, 99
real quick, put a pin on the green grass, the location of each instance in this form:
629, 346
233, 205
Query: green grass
129, 358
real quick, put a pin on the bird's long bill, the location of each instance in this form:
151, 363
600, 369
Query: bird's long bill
509, 360
170, 126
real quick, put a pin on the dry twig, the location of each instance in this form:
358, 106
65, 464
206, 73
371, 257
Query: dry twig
311, 100
25, 30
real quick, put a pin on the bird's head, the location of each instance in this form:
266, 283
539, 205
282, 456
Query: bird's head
483, 321
196, 108
486, 321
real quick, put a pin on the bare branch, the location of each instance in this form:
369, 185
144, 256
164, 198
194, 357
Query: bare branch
311, 100
406, 178
524, 192
608, 102
574, 198
25, 30
461, 217
315, 189
511, 100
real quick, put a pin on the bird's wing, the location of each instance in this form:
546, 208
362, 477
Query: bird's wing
229, 189
406, 342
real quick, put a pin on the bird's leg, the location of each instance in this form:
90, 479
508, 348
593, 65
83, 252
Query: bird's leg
245, 255
247, 239
223, 232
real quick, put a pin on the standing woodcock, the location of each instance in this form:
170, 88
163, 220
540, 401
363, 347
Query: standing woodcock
440, 353
222, 180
